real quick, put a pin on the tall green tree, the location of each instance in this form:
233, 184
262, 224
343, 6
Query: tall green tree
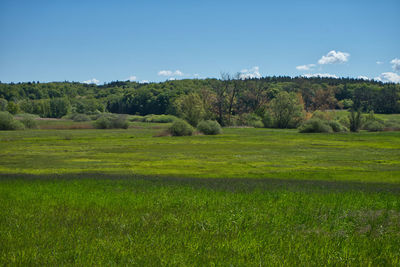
286, 110
190, 108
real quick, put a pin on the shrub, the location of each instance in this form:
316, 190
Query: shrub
80, 117
7, 122
337, 127
267, 120
102, 123
159, 118
373, 126
209, 127
344, 121
315, 125
111, 122
180, 128
29, 122
257, 124
247, 119
346, 103
318, 114
190, 107
137, 118
392, 125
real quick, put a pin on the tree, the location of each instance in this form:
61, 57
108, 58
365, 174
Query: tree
190, 107
3, 104
59, 107
286, 110
355, 120
12, 107
324, 99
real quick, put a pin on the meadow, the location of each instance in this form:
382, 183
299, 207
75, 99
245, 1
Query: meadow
246, 197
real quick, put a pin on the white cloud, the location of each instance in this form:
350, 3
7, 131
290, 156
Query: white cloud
132, 78
363, 77
144, 81
305, 67
334, 57
379, 62
320, 75
165, 73
170, 73
395, 64
388, 77
178, 73
92, 81
171, 79
254, 72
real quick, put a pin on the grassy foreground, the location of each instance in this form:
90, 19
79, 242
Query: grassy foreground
248, 197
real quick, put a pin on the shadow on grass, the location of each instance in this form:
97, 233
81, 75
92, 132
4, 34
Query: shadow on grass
223, 184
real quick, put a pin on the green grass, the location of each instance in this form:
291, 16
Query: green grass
238, 153
247, 197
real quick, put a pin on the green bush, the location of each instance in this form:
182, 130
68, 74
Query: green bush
7, 122
287, 110
392, 125
267, 120
209, 127
344, 120
136, 118
374, 126
111, 122
337, 127
180, 128
159, 118
247, 119
346, 103
78, 117
190, 108
28, 121
315, 125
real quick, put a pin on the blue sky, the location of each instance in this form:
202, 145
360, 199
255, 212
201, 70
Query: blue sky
104, 41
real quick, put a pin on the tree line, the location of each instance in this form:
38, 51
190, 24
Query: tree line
225, 99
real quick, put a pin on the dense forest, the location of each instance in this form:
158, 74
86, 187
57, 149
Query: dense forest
221, 98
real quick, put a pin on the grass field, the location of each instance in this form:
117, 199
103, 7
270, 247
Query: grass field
247, 197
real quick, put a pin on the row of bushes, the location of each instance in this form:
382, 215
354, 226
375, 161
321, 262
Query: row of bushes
153, 118
182, 128
322, 123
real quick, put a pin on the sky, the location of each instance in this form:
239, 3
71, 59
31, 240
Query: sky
103, 41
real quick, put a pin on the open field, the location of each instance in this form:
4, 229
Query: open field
247, 197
